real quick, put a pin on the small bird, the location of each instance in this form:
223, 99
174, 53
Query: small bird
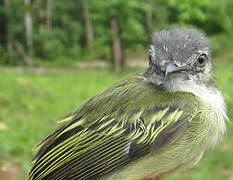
146, 126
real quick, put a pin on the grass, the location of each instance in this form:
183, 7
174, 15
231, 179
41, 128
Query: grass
31, 103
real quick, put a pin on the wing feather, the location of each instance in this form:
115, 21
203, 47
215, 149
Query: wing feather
91, 145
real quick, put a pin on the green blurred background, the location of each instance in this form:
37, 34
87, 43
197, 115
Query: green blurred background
56, 54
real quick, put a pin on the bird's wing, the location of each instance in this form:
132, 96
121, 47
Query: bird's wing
109, 131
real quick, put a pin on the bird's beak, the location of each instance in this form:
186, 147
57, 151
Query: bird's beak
172, 68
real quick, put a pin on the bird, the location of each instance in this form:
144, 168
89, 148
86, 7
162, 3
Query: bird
146, 126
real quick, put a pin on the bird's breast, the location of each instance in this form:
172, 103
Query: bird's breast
213, 115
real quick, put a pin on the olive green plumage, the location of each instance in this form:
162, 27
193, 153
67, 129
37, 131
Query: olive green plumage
138, 128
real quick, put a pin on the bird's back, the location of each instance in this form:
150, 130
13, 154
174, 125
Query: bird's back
129, 122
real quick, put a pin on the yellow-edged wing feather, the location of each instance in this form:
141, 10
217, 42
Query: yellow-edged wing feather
112, 129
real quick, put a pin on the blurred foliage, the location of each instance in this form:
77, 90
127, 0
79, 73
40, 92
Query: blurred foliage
67, 36
210, 16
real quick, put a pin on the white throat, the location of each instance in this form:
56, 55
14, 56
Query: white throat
210, 96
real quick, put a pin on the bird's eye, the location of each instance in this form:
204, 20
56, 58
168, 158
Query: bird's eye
201, 60
150, 59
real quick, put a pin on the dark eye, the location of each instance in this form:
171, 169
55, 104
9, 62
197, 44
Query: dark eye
201, 60
150, 59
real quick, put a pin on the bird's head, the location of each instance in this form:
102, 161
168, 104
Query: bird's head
180, 58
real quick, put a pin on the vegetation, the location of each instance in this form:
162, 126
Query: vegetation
36, 31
